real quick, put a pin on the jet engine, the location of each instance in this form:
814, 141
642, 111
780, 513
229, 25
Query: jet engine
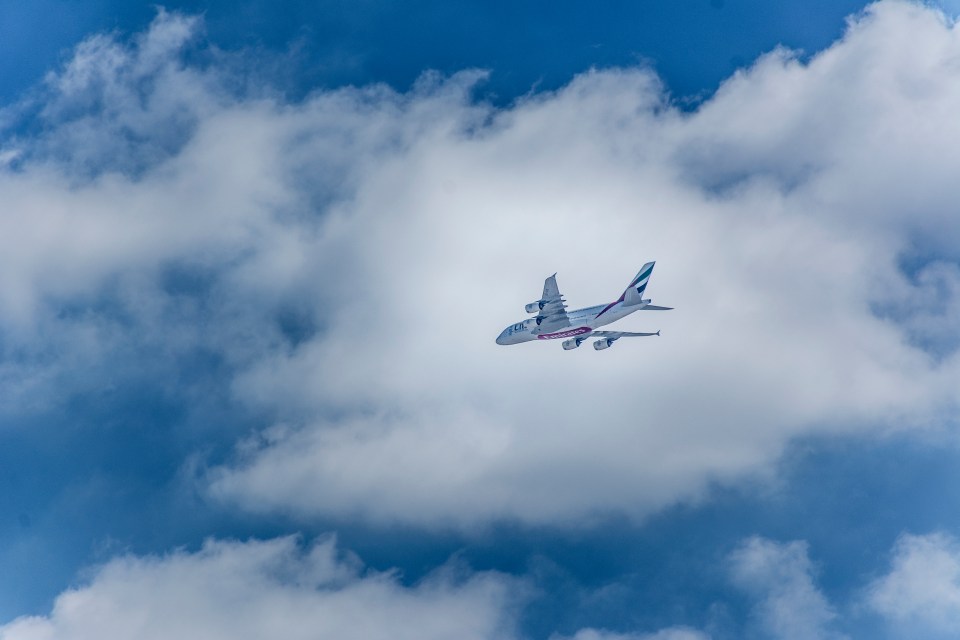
572, 343
533, 307
605, 343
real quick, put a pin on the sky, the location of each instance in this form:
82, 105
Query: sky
254, 258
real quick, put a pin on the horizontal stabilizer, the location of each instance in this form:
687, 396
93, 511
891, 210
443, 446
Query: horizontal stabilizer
653, 307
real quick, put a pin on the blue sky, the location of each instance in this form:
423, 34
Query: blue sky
255, 258
538, 45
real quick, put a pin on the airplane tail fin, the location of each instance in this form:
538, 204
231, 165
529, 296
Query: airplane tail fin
634, 291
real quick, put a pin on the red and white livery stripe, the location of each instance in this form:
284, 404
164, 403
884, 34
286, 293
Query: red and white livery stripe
566, 333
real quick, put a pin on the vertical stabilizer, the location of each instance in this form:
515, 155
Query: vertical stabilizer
634, 291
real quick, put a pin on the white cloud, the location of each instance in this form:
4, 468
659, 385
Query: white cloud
125, 107
406, 231
272, 589
921, 593
777, 237
780, 576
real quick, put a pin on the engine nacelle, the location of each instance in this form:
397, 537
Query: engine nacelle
572, 343
605, 343
533, 307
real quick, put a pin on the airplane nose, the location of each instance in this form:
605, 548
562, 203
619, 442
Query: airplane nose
502, 338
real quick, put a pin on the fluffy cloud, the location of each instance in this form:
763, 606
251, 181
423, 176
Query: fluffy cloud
272, 589
921, 593
351, 257
780, 577
780, 211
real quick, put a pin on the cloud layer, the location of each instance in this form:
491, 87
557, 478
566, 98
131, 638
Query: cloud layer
348, 260
917, 597
334, 269
921, 593
271, 589
264, 589
780, 577
782, 212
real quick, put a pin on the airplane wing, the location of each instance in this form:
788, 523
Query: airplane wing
620, 334
553, 314
551, 292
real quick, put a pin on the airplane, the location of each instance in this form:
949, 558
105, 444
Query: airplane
552, 320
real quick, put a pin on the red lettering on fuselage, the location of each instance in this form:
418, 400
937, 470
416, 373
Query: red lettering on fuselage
568, 333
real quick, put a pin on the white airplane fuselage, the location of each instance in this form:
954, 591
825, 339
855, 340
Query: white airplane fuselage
553, 321
582, 321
